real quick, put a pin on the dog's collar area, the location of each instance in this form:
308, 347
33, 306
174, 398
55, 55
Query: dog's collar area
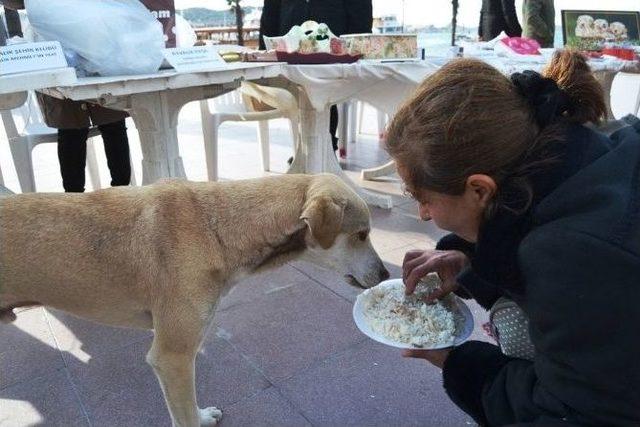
292, 244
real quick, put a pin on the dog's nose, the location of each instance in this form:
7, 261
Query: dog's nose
384, 273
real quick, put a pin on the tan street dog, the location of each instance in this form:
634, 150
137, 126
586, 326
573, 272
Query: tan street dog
160, 257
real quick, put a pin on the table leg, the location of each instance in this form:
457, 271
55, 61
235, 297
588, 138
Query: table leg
156, 117
315, 154
384, 170
353, 121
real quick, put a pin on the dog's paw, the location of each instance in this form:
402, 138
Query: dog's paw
210, 416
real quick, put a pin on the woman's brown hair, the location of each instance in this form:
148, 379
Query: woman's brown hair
468, 118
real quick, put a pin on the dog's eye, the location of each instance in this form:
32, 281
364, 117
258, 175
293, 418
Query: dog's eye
362, 236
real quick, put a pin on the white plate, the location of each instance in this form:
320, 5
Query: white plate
463, 329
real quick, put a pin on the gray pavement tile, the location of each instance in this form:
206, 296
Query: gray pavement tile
120, 388
289, 330
401, 224
410, 207
395, 228
43, 401
267, 408
291, 326
395, 257
372, 385
223, 375
387, 240
335, 282
27, 349
81, 339
330, 279
261, 284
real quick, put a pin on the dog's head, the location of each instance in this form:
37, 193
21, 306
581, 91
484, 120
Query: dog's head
619, 30
338, 226
584, 25
601, 26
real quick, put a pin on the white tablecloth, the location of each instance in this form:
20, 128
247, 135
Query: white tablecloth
13, 86
385, 85
154, 102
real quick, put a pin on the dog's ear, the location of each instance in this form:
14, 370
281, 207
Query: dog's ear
323, 216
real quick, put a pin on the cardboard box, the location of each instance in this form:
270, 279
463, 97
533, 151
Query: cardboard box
165, 12
382, 46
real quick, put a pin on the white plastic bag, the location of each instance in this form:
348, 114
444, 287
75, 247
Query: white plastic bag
113, 37
185, 35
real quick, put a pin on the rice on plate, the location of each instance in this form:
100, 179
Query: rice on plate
385, 314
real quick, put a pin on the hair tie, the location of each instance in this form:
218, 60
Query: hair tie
544, 96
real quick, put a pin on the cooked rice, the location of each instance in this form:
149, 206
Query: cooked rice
409, 320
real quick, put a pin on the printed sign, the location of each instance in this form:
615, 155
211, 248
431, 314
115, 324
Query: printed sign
196, 58
595, 29
165, 12
23, 57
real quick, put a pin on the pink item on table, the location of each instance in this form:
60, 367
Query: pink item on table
522, 45
337, 46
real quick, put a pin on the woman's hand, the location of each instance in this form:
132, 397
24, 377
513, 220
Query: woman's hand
435, 357
447, 264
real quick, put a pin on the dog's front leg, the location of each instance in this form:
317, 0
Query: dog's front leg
172, 356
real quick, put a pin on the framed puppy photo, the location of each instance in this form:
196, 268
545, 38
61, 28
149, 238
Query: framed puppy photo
591, 29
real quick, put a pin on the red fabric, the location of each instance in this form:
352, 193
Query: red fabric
620, 52
316, 58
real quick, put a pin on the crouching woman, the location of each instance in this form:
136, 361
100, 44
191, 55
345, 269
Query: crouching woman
544, 213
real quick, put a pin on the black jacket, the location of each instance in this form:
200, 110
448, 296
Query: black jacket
497, 16
342, 16
572, 262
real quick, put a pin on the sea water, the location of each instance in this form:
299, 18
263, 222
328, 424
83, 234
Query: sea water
439, 43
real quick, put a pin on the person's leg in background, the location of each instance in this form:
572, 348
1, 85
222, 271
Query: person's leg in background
116, 148
333, 126
72, 155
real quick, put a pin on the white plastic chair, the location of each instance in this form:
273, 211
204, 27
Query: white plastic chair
1, 179
625, 94
383, 118
35, 132
350, 123
233, 107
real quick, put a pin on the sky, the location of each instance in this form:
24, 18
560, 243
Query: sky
438, 12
